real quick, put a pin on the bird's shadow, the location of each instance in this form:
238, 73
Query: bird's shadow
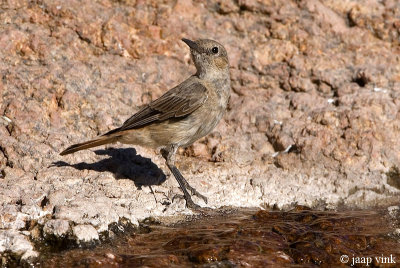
125, 163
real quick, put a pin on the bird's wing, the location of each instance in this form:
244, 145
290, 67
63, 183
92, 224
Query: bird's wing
177, 102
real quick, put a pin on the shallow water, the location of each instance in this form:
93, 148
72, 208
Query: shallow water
297, 238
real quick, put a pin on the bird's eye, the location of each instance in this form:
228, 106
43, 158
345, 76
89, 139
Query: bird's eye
214, 50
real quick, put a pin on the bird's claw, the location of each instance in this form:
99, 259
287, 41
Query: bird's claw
196, 193
189, 202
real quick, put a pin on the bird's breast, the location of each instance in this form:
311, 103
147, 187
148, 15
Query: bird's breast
206, 118
219, 91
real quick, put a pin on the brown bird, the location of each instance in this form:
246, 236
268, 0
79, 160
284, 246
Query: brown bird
182, 115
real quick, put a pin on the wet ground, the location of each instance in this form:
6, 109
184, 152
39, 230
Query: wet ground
296, 238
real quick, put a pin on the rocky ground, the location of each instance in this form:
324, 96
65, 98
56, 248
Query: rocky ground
313, 118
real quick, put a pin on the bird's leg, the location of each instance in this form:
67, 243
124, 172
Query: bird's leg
192, 190
180, 178
169, 155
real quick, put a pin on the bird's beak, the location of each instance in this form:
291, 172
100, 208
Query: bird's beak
191, 44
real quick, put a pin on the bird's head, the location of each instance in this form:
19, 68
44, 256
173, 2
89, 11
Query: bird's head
208, 56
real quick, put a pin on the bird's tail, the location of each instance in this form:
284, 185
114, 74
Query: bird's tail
89, 144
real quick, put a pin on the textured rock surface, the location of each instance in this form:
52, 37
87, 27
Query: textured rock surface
58, 228
85, 233
313, 117
14, 242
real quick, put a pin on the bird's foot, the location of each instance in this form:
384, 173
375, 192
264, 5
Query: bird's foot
189, 202
184, 185
193, 191
192, 205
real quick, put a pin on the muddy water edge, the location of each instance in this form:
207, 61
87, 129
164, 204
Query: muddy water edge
247, 237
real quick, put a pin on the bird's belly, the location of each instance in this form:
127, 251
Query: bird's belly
179, 131
203, 126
